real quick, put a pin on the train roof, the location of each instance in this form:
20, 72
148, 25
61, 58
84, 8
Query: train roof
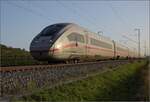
65, 24
87, 30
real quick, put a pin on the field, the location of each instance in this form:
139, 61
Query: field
123, 83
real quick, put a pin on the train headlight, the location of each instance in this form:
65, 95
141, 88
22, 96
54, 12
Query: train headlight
58, 46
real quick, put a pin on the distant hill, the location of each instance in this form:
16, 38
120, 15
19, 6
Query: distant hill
16, 56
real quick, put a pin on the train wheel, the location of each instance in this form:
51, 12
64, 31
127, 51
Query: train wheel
72, 61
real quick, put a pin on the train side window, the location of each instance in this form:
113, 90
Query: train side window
76, 37
71, 37
120, 49
100, 43
80, 38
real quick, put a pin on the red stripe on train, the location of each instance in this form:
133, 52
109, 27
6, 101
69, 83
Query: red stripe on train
71, 45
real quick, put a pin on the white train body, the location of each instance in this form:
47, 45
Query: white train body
67, 41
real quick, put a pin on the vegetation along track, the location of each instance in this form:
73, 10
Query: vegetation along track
118, 84
24, 79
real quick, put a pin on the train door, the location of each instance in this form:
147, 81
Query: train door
86, 43
78, 44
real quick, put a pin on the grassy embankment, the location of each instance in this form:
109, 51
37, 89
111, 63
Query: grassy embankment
118, 84
15, 56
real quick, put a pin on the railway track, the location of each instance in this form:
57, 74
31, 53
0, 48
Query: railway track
22, 79
45, 66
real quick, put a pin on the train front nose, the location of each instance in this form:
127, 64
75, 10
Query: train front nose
39, 55
41, 46
40, 49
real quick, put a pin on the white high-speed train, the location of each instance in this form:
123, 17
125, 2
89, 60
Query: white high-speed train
70, 42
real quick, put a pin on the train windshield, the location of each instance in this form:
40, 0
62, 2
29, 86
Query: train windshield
52, 30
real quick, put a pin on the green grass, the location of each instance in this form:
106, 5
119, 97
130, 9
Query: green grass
118, 84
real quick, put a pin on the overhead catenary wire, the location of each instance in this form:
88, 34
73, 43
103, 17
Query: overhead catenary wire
37, 13
85, 18
95, 18
38, 7
92, 17
75, 12
130, 26
126, 37
30, 10
114, 11
120, 19
129, 39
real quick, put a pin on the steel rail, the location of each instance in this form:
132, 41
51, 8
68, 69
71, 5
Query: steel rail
36, 67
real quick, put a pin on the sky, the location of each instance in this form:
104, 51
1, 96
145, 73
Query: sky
22, 20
